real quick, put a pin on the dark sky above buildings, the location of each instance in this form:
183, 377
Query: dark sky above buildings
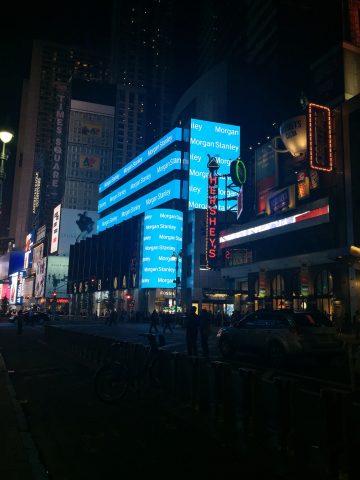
82, 23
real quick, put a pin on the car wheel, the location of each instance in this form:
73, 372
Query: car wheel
276, 355
226, 349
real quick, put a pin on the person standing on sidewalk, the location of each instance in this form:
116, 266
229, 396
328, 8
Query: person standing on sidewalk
205, 328
192, 326
154, 321
167, 322
19, 322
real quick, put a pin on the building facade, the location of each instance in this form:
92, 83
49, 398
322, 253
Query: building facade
151, 249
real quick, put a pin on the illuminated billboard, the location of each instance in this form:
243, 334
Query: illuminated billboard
168, 164
56, 275
171, 137
308, 218
157, 197
76, 225
16, 288
162, 236
55, 229
210, 139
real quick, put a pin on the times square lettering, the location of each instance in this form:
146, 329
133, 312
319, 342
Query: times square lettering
58, 142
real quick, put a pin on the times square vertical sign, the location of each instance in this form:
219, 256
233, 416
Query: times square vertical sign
58, 151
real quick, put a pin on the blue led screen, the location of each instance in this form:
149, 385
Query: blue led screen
167, 192
218, 140
171, 137
168, 164
162, 236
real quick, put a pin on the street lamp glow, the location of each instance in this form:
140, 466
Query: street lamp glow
6, 136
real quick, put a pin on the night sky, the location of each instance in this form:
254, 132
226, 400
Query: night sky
86, 24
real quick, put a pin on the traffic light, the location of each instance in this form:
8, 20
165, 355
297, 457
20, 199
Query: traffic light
93, 282
128, 297
54, 295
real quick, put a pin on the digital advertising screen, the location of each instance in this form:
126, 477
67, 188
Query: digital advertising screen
76, 225
162, 236
56, 275
16, 288
171, 137
160, 169
161, 195
212, 139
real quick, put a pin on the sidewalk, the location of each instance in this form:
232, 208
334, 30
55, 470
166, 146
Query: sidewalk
18, 456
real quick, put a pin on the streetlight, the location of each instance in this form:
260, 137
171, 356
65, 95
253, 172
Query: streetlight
5, 137
176, 256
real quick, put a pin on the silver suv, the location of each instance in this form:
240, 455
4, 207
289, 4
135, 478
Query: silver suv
280, 333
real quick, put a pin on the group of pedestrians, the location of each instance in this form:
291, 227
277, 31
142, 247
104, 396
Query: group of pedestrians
156, 319
196, 324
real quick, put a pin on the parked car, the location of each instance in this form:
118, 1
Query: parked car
279, 334
37, 317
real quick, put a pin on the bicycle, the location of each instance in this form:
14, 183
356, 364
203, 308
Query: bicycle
114, 379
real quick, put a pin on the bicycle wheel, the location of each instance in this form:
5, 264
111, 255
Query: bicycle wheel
111, 382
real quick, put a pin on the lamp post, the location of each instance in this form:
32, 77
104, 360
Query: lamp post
5, 137
176, 257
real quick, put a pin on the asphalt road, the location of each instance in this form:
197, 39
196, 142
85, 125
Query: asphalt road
334, 371
77, 437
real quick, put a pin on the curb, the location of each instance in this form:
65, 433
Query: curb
21, 429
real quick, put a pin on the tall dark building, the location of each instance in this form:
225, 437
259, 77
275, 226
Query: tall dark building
141, 67
43, 125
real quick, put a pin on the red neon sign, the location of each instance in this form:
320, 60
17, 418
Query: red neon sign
211, 222
319, 137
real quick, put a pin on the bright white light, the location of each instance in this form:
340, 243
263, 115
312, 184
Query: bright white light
6, 136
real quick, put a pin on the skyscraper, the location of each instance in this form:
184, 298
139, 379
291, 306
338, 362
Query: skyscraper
141, 68
39, 180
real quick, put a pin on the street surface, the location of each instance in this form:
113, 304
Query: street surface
77, 437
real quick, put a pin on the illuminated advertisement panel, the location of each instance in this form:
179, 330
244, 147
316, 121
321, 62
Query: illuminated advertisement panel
29, 242
55, 229
56, 275
171, 137
164, 166
212, 139
16, 288
76, 225
157, 197
266, 172
40, 276
162, 236
307, 218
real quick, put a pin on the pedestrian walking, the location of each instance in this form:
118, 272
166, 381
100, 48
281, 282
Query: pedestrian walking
167, 322
205, 329
112, 317
154, 321
19, 322
192, 327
